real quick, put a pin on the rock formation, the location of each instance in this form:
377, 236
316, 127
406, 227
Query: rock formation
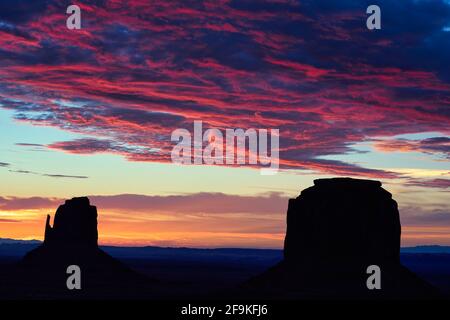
75, 224
335, 230
73, 241
343, 219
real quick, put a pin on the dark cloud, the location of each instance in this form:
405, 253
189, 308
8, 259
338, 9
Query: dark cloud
20, 11
24, 144
63, 176
49, 174
429, 183
436, 145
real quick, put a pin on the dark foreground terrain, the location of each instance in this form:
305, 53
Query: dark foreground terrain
200, 271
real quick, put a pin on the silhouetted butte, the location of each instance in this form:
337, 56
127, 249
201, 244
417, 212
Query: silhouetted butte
335, 230
73, 241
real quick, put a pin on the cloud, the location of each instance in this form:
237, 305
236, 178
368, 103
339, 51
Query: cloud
50, 175
198, 202
139, 70
9, 221
90, 146
23, 144
4, 164
415, 216
63, 176
436, 145
211, 203
16, 203
430, 183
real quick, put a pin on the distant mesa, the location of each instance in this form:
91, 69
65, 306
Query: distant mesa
335, 230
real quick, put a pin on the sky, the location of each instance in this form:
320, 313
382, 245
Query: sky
90, 112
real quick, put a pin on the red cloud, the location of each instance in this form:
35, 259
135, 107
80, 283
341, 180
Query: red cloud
140, 69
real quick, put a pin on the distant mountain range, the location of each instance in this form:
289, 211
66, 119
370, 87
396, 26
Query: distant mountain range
14, 241
17, 248
426, 249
